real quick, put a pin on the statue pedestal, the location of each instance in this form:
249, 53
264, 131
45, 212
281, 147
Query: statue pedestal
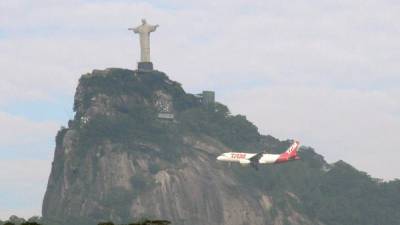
145, 66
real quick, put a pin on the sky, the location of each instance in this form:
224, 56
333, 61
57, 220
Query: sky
324, 72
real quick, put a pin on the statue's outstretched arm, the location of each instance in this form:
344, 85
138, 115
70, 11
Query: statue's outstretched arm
134, 30
153, 28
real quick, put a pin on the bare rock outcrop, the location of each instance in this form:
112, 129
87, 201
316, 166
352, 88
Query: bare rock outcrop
117, 161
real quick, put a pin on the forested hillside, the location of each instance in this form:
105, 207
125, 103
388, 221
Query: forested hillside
118, 161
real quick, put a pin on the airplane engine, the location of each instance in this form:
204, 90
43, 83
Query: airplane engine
244, 162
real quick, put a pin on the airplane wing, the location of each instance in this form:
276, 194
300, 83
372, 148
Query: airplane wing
254, 160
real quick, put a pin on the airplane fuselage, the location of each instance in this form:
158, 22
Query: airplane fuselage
261, 158
242, 157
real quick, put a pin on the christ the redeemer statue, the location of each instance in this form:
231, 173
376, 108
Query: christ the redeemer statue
144, 31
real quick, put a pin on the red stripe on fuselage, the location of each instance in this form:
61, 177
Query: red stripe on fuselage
284, 157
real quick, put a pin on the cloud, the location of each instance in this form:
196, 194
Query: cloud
26, 149
349, 44
22, 186
22, 138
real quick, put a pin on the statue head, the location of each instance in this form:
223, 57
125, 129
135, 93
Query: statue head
144, 21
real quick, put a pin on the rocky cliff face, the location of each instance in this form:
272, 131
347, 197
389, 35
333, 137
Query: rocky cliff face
117, 161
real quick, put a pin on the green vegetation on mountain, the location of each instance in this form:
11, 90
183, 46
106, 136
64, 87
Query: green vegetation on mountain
117, 161
234, 131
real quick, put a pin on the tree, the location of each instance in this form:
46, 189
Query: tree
30, 223
152, 222
36, 219
16, 220
106, 223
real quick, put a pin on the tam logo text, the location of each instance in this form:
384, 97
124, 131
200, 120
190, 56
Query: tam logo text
238, 155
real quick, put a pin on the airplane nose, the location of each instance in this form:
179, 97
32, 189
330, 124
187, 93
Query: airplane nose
219, 157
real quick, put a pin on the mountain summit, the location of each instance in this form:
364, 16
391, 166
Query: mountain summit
139, 146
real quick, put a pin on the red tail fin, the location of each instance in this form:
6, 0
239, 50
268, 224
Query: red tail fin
292, 150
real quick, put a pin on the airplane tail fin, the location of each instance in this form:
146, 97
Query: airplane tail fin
293, 149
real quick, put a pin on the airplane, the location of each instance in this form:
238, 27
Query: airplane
254, 159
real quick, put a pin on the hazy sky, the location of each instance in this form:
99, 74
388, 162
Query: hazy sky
325, 72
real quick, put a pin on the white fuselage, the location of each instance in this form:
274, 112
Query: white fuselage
261, 158
244, 158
